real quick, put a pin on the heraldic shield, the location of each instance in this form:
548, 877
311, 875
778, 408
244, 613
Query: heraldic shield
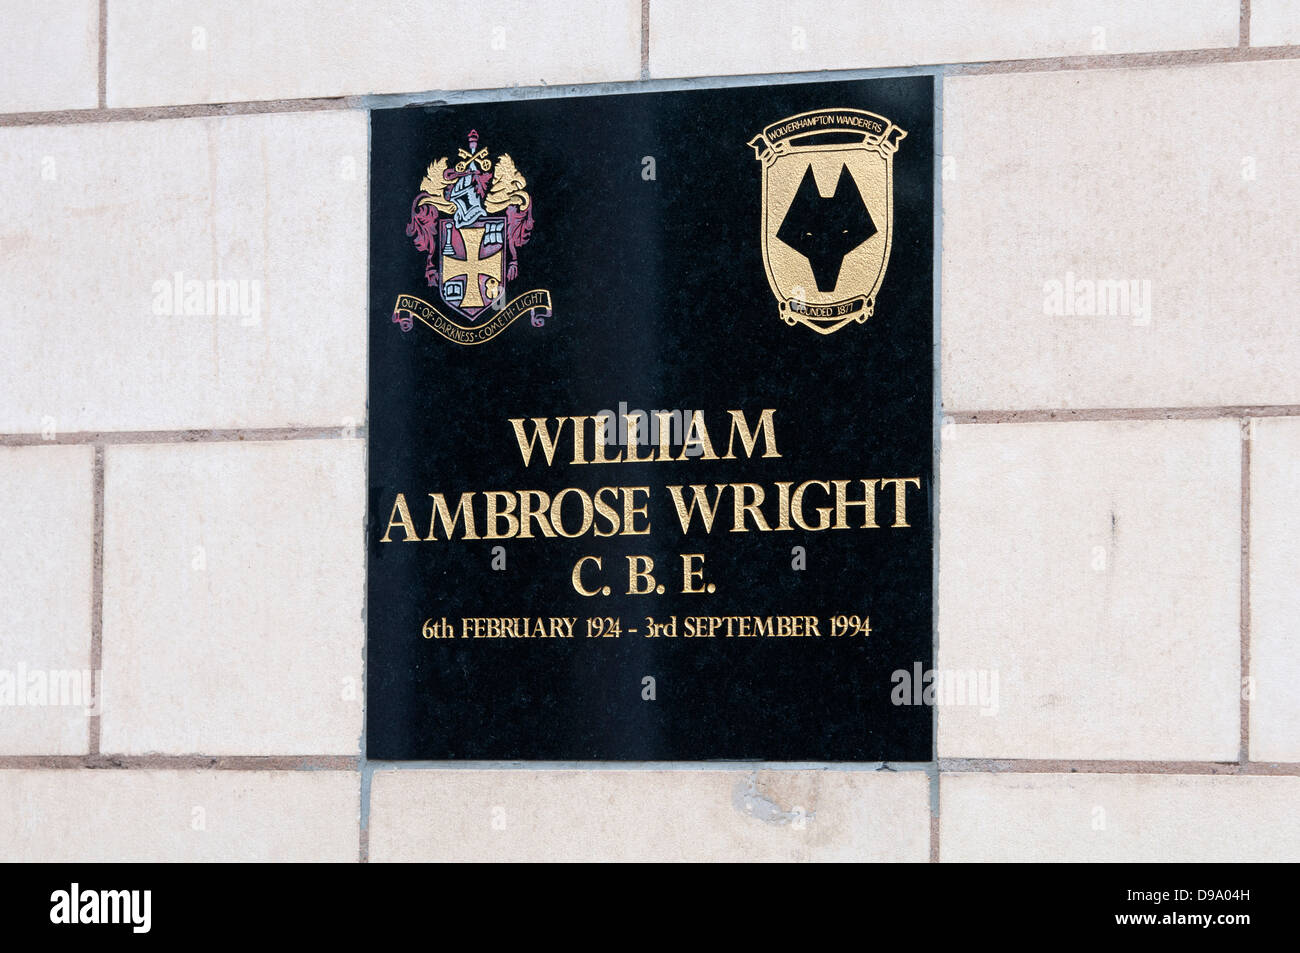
828, 213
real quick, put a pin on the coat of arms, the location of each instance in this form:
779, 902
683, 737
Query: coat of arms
470, 219
828, 213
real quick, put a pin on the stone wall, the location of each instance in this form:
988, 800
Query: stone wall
183, 499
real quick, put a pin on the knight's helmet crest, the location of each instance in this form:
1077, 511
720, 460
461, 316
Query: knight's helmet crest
471, 218
473, 164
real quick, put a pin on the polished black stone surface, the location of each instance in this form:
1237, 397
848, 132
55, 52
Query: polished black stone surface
659, 300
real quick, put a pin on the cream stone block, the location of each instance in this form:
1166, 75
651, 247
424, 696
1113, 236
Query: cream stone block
1275, 589
1274, 23
47, 690
1102, 249
195, 51
689, 38
139, 815
1091, 571
1117, 817
49, 56
234, 577
649, 815
184, 274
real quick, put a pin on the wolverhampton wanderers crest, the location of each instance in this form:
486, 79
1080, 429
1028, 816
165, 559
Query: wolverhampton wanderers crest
828, 213
471, 219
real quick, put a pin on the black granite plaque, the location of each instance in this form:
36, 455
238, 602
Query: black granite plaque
651, 426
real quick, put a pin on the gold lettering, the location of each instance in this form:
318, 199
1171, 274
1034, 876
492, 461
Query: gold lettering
900, 497
700, 500
607, 511
449, 520
579, 439
541, 431
738, 493
796, 505
557, 507
697, 433
630, 512
507, 514
598, 455
664, 418
748, 438
783, 506
634, 438
577, 575
528, 513
639, 569
401, 511
690, 572
842, 504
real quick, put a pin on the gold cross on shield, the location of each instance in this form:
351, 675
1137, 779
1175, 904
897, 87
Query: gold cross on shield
472, 267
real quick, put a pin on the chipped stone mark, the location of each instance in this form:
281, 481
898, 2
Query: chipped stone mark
748, 800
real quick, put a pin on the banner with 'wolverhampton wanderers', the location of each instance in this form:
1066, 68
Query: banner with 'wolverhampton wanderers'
651, 426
